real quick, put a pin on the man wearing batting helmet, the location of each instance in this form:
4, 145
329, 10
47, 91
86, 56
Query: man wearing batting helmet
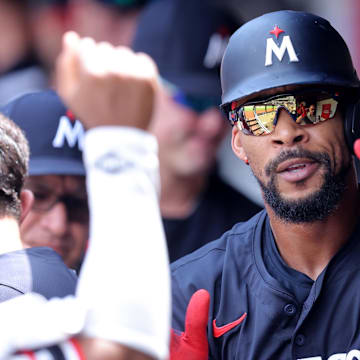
285, 284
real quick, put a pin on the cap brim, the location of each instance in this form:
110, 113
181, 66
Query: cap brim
255, 85
49, 166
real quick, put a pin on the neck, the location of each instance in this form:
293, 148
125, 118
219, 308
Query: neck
179, 194
10, 239
308, 247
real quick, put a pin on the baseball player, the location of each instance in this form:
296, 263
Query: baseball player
120, 311
285, 284
38, 270
59, 216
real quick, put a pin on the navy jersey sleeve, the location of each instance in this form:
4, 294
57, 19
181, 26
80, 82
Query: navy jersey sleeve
199, 270
7, 292
50, 276
38, 269
179, 304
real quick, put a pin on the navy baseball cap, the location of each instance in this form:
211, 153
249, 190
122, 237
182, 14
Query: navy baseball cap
55, 136
187, 39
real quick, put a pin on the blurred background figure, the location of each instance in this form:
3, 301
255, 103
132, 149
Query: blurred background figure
187, 43
106, 20
48, 20
19, 68
59, 216
38, 270
113, 21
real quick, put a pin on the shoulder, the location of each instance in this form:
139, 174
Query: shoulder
235, 239
207, 267
39, 270
46, 259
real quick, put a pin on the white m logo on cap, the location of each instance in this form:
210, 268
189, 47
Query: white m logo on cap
286, 45
215, 50
72, 133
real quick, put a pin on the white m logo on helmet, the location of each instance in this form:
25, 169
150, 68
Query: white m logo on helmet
72, 133
286, 45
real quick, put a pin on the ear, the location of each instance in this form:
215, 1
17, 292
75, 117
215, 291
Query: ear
236, 144
27, 200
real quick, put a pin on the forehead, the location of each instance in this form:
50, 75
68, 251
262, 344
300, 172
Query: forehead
58, 183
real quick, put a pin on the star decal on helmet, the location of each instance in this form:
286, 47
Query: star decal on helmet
279, 50
276, 31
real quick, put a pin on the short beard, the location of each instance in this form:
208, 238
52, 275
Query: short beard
315, 207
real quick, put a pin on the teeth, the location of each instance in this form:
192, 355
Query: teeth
296, 167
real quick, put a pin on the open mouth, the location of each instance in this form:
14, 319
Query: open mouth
295, 170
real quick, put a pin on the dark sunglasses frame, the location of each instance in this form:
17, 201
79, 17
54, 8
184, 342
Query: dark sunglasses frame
76, 208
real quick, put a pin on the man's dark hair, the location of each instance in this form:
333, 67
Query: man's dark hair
14, 162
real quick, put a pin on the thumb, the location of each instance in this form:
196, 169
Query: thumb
197, 315
357, 148
67, 64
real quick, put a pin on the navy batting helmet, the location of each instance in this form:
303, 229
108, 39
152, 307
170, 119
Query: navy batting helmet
284, 48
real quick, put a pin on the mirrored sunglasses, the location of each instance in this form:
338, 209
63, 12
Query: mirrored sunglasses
196, 103
260, 118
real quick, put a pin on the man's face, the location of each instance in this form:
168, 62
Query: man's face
188, 141
312, 110
302, 170
59, 217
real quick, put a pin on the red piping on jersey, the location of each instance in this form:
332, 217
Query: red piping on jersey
77, 348
28, 353
220, 331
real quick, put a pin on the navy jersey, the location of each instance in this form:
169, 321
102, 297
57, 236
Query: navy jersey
219, 208
37, 269
325, 325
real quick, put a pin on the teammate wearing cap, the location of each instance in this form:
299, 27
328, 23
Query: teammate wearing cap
187, 44
59, 217
284, 285
37, 270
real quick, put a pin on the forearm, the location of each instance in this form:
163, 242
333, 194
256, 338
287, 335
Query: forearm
131, 304
124, 283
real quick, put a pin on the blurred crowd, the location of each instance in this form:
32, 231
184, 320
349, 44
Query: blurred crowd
32, 31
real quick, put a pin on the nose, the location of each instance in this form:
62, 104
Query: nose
211, 123
287, 132
56, 219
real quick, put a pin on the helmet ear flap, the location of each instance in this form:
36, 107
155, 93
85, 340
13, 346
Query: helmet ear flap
352, 124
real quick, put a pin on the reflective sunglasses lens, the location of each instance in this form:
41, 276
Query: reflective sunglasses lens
313, 110
260, 118
196, 103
